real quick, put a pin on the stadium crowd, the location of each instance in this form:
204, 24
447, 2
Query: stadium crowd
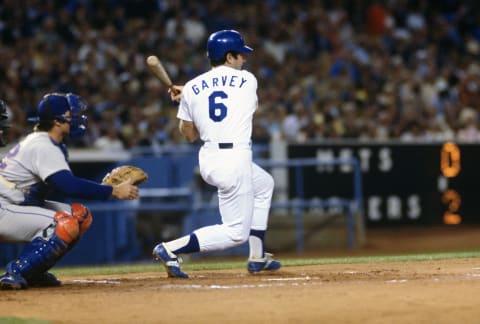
368, 70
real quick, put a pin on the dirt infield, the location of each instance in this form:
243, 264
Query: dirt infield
439, 291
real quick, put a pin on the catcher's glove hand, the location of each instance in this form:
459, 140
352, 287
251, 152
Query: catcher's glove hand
123, 173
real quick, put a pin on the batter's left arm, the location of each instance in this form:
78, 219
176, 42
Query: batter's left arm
188, 130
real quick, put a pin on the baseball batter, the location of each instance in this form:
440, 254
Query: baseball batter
33, 171
218, 107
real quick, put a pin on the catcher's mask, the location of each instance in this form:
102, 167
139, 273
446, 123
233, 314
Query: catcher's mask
224, 41
53, 106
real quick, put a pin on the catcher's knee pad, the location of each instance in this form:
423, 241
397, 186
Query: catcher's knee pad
66, 228
83, 216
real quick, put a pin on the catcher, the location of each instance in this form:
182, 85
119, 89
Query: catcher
30, 174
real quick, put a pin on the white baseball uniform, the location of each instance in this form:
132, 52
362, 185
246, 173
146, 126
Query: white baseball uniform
22, 190
221, 103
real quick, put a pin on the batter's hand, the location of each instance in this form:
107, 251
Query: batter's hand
125, 190
175, 92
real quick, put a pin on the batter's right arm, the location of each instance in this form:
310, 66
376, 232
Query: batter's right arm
188, 130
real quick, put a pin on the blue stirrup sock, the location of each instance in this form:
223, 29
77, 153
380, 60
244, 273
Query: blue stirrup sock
191, 247
38, 256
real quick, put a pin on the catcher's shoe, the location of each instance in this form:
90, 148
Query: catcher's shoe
45, 279
169, 260
12, 281
267, 263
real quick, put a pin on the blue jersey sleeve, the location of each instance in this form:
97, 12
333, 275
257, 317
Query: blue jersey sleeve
65, 182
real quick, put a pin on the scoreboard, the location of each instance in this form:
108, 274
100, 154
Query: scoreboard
435, 183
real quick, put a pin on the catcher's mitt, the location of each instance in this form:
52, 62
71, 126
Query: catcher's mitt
124, 172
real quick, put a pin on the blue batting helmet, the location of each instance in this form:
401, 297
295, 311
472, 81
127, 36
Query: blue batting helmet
224, 41
55, 105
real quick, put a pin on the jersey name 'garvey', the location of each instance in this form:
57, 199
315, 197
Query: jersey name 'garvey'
221, 103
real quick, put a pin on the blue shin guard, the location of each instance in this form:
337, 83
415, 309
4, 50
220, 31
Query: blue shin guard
37, 257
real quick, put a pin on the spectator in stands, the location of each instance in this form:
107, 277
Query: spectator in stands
294, 123
109, 141
469, 130
320, 51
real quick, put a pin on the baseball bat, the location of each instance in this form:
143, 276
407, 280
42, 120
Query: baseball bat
157, 68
